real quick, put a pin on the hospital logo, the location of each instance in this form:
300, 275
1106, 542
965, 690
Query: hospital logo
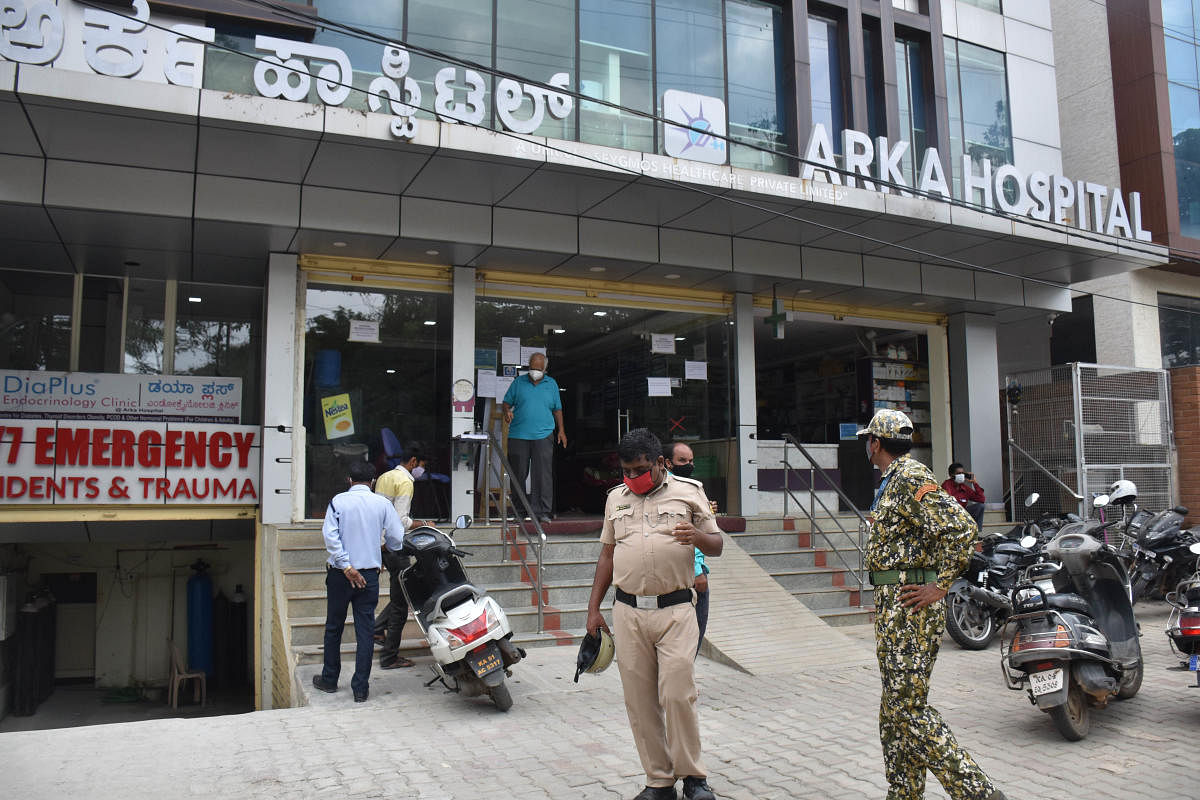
703, 137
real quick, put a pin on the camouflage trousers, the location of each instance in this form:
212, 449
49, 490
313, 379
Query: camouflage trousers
913, 734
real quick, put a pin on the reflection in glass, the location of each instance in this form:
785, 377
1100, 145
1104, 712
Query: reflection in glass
825, 77
1181, 61
754, 38
398, 383
144, 327
690, 54
614, 65
535, 39
1179, 330
221, 335
100, 324
977, 94
986, 5
876, 109
462, 28
384, 18
35, 320
1177, 18
910, 81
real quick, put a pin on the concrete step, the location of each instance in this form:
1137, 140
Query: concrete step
310, 631
415, 646
820, 578
778, 540
838, 597
838, 617
511, 596
772, 561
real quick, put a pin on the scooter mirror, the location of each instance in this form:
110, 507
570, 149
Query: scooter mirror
1195, 548
1028, 541
463, 521
1100, 501
1033, 498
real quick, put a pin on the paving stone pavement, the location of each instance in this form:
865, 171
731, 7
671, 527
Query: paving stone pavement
810, 734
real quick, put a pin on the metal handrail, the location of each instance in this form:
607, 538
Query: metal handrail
1078, 497
859, 573
507, 489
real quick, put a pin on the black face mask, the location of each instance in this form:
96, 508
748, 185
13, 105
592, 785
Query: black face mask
683, 470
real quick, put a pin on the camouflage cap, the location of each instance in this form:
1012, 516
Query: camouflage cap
888, 423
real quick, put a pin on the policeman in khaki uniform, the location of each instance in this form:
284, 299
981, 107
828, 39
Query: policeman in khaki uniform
651, 525
921, 540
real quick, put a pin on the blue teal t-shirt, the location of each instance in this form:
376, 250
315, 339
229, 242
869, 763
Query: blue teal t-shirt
533, 406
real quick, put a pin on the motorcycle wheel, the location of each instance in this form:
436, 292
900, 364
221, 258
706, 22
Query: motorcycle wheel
1131, 682
971, 626
501, 696
1073, 718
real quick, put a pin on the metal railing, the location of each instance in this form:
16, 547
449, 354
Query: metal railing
1041, 468
502, 471
814, 469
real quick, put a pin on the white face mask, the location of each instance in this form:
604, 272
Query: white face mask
960, 478
536, 374
418, 472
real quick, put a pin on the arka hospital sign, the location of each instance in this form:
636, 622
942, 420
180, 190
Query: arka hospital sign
171, 50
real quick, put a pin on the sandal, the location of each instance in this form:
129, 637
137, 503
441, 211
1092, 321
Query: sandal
398, 661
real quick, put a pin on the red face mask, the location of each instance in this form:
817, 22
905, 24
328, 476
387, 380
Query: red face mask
642, 483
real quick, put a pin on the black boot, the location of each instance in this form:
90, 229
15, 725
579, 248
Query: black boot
697, 789
656, 793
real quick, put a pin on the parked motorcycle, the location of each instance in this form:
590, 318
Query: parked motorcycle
467, 631
1183, 624
1161, 551
1075, 647
980, 600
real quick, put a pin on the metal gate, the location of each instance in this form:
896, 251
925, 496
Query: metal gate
1074, 429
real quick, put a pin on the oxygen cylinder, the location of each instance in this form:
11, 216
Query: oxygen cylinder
200, 619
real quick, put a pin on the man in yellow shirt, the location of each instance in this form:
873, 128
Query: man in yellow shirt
396, 485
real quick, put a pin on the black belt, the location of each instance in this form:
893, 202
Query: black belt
663, 600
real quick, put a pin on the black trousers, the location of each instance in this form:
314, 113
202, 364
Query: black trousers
390, 621
340, 596
976, 511
522, 453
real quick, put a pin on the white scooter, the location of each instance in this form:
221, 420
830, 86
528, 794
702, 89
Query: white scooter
467, 631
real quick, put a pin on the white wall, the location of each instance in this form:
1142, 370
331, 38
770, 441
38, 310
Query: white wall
142, 599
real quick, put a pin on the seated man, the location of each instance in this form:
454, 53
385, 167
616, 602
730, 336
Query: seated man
962, 487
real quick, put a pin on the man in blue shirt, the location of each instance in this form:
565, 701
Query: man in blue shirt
353, 524
534, 413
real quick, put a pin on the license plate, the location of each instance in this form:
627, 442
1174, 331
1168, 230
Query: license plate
1045, 682
981, 578
1194, 663
485, 661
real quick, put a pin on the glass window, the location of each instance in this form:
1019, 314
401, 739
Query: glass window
35, 320
876, 108
361, 398
535, 39
614, 65
690, 56
144, 327
977, 94
825, 76
986, 5
1179, 330
1181, 61
913, 102
1185, 134
218, 331
100, 323
754, 38
230, 71
1177, 18
382, 17
459, 27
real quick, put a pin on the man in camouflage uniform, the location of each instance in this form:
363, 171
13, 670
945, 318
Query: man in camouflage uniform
921, 539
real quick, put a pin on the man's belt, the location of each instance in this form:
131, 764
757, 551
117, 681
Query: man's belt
655, 600
887, 577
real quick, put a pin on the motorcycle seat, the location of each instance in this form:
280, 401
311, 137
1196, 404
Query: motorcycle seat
446, 600
1066, 601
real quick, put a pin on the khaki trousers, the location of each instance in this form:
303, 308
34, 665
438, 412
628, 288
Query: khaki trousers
656, 651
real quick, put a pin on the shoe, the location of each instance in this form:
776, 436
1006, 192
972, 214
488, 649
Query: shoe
697, 789
394, 663
379, 638
362, 698
656, 793
324, 685
544, 518
997, 795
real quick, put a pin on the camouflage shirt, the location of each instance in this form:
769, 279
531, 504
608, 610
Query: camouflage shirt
918, 525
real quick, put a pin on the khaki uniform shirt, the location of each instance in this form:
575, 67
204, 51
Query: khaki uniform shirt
918, 525
647, 560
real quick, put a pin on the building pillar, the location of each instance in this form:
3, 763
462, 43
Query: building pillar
462, 366
975, 400
282, 482
747, 404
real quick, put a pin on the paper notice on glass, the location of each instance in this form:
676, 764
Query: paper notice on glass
662, 343
658, 387
695, 370
502, 384
485, 383
363, 330
510, 349
527, 353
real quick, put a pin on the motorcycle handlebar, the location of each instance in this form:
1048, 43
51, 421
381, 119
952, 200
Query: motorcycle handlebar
459, 553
